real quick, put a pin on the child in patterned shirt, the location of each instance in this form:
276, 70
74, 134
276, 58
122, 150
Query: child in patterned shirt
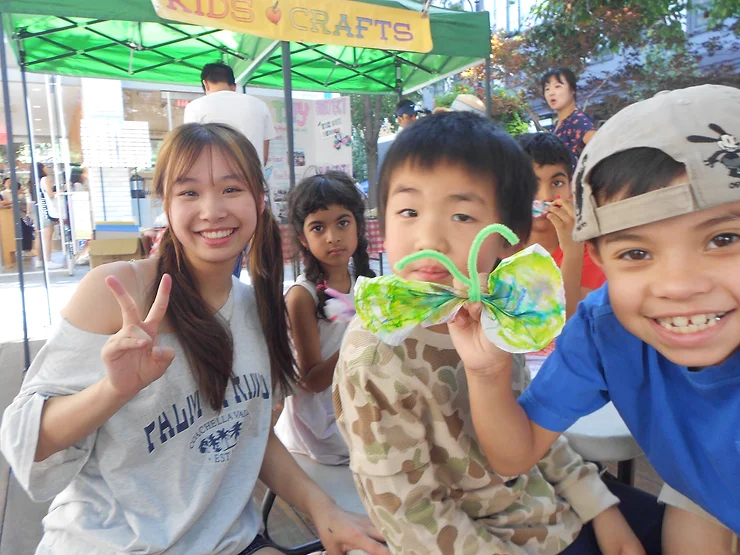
405, 411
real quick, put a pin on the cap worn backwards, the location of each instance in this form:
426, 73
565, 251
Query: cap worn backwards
698, 127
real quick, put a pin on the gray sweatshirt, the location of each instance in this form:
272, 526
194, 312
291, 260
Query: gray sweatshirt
166, 474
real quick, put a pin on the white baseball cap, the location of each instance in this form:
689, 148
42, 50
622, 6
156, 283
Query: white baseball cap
468, 103
697, 126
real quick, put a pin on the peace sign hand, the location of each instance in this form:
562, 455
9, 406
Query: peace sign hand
132, 357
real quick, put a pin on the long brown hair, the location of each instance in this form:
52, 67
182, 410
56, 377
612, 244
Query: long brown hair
207, 342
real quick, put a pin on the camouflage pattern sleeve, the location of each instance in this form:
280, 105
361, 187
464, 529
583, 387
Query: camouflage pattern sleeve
380, 416
520, 376
576, 481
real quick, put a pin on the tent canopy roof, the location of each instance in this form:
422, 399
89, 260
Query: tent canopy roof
129, 41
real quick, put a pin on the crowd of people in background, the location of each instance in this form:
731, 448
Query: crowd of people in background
39, 212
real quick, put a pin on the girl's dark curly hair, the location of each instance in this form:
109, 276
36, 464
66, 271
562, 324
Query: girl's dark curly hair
319, 192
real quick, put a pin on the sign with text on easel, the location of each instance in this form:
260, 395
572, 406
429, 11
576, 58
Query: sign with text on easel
322, 133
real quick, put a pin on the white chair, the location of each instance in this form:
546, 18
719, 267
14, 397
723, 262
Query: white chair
603, 436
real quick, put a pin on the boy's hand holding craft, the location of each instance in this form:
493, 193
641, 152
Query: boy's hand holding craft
518, 308
478, 353
132, 357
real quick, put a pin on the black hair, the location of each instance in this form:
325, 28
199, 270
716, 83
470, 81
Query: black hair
405, 107
475, 144
631, 173
75, 174
319, 192
547, 149
218, 72
40, 170
17, 184
560, 73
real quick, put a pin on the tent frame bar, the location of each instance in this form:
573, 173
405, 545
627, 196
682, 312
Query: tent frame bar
35, 176
222, 49
354, 68
14, 189
155, 48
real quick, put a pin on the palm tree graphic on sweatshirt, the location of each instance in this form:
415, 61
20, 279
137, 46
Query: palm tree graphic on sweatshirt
221, 440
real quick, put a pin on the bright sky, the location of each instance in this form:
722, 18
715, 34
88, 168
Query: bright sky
498, 8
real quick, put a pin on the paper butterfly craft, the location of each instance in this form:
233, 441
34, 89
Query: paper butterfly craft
524, 301
539, 208
339, 307
340, 141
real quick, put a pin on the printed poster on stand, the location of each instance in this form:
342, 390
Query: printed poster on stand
322, 141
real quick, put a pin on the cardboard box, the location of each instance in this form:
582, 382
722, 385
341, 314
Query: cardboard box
115, 250
116, 230
105, 235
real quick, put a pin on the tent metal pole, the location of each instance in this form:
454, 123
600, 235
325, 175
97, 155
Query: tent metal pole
102, 194
169, 111
288, 94
58, 158
487, 87
488, 78
35, 175
14, 191
399, 81
62, 126
64, 208
50, 96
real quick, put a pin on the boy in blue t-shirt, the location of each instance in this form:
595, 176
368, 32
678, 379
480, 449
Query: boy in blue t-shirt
657, 195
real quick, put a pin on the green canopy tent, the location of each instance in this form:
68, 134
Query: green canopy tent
129, 41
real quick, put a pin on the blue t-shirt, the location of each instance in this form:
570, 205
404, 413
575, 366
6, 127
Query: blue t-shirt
688, 423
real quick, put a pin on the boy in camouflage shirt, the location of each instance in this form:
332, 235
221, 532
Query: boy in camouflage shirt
404, 411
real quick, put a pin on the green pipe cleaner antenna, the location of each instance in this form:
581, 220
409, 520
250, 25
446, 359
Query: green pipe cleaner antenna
472, 283
434, 255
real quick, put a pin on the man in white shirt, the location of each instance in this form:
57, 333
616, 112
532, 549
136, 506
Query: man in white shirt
222, 104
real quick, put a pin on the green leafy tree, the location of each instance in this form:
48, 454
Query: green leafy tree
359, 155
508, 109
369, 114
446, 99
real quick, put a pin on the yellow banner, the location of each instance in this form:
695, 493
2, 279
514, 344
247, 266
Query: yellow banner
339, 22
